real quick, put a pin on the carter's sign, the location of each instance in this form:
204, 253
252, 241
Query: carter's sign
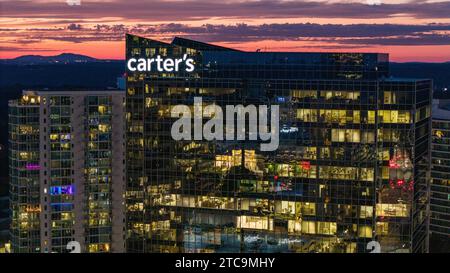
161, 64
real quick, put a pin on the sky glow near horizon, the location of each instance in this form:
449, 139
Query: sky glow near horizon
409, 30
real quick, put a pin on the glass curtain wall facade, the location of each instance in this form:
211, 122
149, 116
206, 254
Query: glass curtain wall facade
403, 140
24, 174
349, 168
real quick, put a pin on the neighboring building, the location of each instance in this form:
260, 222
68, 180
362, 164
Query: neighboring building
67, 171
440, 169
4, 220
351, 166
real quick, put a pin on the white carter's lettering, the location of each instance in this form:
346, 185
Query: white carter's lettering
160, 64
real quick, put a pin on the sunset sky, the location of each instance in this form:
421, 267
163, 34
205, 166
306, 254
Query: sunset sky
410, 30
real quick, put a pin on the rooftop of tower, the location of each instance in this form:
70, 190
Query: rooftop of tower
203, 46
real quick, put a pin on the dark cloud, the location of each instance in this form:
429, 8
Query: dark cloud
383, 34
243, 32
45, 29
8, 29
24, 49
422, 39
160, 10
74, 26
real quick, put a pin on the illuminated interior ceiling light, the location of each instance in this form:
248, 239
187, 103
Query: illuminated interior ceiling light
401, 170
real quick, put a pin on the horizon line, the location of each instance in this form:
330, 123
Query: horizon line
123, 59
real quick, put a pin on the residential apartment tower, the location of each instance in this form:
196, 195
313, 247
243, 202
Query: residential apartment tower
67, 171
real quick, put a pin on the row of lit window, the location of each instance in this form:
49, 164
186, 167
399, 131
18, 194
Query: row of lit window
275, 206
353, 116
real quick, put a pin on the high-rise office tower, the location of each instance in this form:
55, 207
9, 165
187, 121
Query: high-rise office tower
351, 165
67, 171
440, 169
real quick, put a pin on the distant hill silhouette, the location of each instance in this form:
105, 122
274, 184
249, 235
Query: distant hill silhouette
64, 58
438, 72
77, 75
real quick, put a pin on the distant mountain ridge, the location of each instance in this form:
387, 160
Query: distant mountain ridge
64, 58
